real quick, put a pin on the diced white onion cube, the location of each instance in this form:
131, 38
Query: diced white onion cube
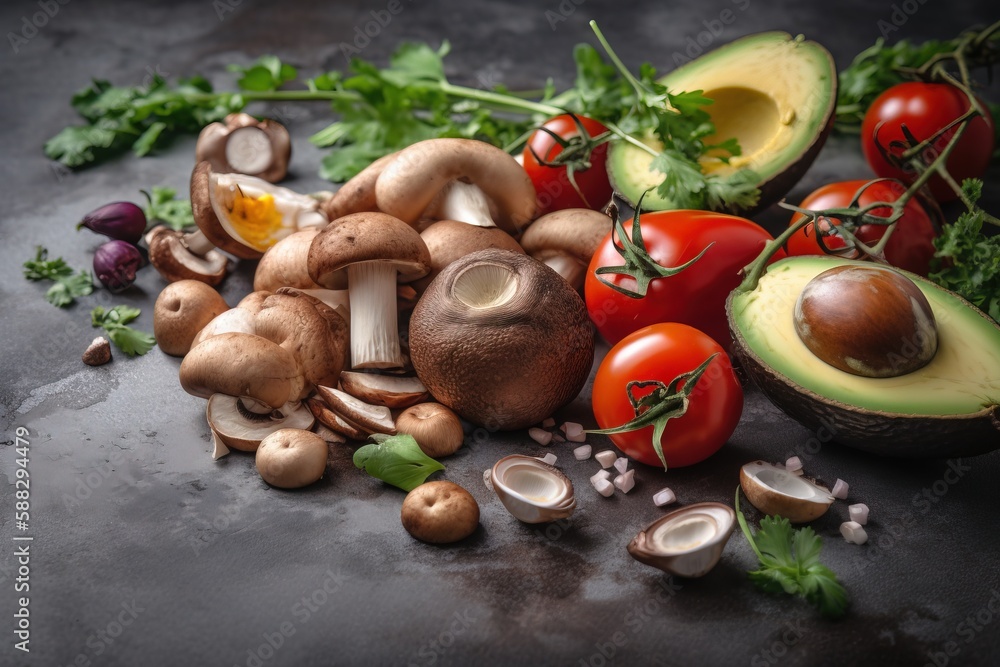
606, 458
582, 453
840, 489
793, 464
548, 423
603, 486
664, 496
621, 464
626, 481
549, 458
601, 474
541, 436
859, 513
853, 532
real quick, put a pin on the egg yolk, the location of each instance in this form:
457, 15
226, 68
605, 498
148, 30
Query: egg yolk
256, 219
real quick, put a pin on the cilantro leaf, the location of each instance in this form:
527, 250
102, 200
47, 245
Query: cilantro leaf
163, 206
68, 285
683, 181
268, 73
115, 321
789, 563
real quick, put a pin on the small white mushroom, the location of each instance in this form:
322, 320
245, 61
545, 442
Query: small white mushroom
291, 458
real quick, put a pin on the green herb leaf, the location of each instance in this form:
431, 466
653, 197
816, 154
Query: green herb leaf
68, 285
163, 206
789, 560
268, 73
115, 320
396, 460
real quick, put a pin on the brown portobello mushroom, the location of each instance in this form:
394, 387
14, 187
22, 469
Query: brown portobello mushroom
566, 241
501, 339
245, 145
457, 179
376, 251
182, 310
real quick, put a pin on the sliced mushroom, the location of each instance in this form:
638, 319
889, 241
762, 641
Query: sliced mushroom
245, 145
775, 491
392, 391
239, 428
457, 179
182, 310
358, 194
687, 542
376, 251
448, 240
244, 215
324, 415
566, 241
185, 256
532, 490
369, 418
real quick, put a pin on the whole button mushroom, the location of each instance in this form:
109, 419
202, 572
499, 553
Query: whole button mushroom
457, 179
182, 310
377, 251
447, 240
291, 458
566, 241
440, 513
358, 194
501, 339
245, 145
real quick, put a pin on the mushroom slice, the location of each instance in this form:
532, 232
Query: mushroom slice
179, 256
376, 251
532, 490
687, 542
457, 179
775, 491
392, 391
566, 241
239, 428
324, 415
244, 215
368, 418
243, 144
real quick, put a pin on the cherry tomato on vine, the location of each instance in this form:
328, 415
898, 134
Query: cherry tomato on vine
660, 353
552, 183
911, 246
925, 108
695, 296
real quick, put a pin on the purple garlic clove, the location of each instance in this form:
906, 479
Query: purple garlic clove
119, 220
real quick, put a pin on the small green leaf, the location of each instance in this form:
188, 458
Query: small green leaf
396, 460
147, 141
162, 206
67, 285
115, 320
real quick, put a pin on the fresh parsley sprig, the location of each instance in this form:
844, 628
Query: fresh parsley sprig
115, 321
162, 206
69, 284
789, 563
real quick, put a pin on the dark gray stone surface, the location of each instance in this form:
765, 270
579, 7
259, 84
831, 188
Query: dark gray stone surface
146, 552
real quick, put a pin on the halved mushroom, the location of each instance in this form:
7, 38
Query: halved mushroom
448, 240
376, 251
244, 215
532, 490
392, 391
324, 415
368, 418
358, 194
182, 310
457, 179
687, 542
566, 240
291, 458
775, 491
185, 256
245, 145
239, 428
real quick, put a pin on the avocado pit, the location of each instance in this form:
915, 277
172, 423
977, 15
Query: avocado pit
867, 320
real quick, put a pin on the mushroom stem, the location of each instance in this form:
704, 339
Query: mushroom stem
255, 406
374, 331
466, 203
198, 243
570, 268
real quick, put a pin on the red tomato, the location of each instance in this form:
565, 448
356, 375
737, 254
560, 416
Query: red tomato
911, 246
925, 108
697, 295
555, 191
662, 352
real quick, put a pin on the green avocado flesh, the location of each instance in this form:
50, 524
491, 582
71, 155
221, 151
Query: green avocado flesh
775, 94
961, 379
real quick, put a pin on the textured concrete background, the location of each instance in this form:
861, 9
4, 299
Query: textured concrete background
200, 562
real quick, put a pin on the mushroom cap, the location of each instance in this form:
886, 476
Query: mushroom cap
291, 458
285, 264
367, 237
501, 339
311, 331
214, 139
358, 194
573, 232
234, 320
437, 430
412, 181
447, 240
439, 512
242, 365
182, 310
171, 258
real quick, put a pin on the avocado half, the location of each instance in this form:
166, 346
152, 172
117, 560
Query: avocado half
774, 93
947, 408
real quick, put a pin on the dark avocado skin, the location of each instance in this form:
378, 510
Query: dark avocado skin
886, 434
